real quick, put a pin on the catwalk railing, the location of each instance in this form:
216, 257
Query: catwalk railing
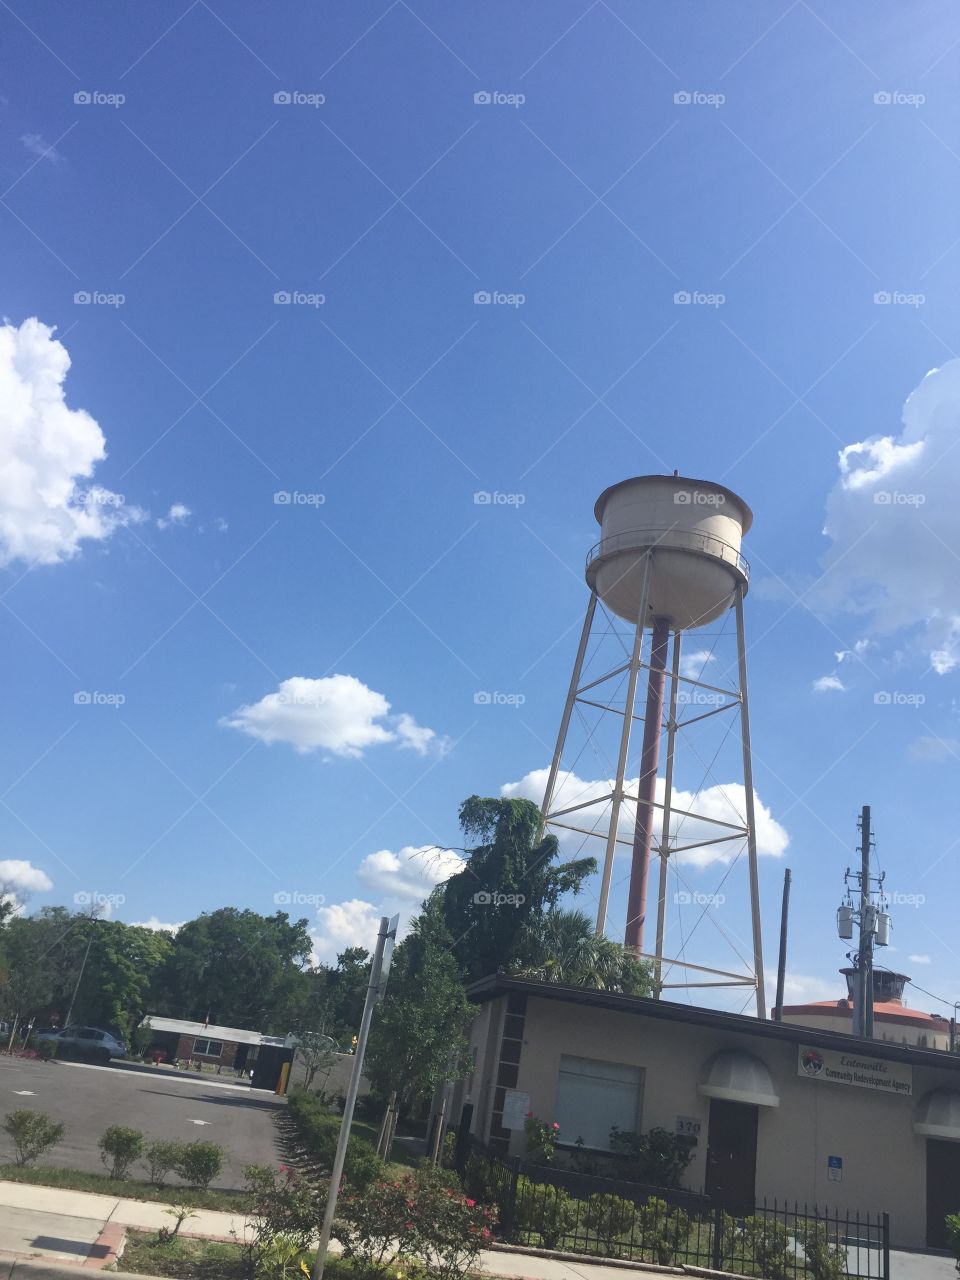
559, 1209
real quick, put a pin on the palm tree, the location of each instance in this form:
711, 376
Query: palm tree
561, 946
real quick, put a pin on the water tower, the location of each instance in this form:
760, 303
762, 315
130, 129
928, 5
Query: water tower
668, 562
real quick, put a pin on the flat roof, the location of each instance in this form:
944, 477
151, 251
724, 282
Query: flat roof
645, 1006
209, 1031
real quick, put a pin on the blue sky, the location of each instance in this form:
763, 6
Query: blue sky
794, 159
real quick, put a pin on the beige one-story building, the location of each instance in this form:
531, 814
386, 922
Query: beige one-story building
773, 1110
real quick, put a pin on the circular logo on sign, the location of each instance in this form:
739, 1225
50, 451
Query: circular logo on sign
811, 1062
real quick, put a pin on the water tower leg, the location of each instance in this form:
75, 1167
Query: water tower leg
646, 790
750, 815
616, 799
667, 802
567, 711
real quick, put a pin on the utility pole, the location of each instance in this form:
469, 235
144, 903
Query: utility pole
874, 927
782, 959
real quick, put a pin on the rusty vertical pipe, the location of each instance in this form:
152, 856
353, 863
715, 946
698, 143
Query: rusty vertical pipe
646, 789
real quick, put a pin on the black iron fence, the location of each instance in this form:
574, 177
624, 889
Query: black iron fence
606, 1217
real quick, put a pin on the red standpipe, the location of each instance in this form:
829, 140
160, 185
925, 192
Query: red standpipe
646, 791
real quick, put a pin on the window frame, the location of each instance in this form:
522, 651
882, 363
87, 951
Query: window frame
207, 1052
570, 1144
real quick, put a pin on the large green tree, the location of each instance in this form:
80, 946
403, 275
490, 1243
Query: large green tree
237, 967
563, 946
509, 880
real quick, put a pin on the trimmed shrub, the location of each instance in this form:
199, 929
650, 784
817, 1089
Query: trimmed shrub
610, 1218
545, 1211
119, 1147
283, 1220
319, 1131
825, 1258
664, 1229
162, 1156
199, 1163
33, 1133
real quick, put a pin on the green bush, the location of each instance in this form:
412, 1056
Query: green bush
610, 1218
825, 1258
953, 1235
162, 1156
319, 1131
658, 1158
33, 1133
199, 1163
664, 1229
761, 1244
285, 1214
47, 1049
119, 1147
544, 1210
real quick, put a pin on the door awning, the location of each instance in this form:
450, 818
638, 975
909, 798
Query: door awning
938, 1115
735, 1076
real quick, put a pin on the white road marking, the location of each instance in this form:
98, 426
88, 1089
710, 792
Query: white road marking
199, 1122
25, 1093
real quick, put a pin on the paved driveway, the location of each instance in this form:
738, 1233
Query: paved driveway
88, 1099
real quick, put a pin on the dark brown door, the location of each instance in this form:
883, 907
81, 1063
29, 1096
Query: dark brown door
943, 1188
732, 1155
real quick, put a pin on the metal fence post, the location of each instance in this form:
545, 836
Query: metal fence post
886, 1246
717, 1237
510, 1202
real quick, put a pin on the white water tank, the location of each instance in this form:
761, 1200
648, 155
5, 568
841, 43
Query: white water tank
694, 528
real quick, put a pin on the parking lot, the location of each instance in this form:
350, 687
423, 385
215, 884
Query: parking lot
87, 1099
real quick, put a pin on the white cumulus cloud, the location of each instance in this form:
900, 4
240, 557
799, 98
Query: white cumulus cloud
179, 513
48, 453
919, 959
339, 714
353, 923
410, 874
692, 664
723, 802
826, 683
159, 926
894, 524
19, 876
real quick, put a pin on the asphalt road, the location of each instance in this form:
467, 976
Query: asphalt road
88, 1099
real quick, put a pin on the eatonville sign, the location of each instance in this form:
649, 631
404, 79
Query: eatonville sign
848, 1068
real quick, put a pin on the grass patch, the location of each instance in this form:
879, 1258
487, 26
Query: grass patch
202, 1259
128, 1188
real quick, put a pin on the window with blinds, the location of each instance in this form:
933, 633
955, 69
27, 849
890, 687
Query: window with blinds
594, 1096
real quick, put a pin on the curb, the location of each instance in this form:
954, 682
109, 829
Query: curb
108, 1246
593, 1260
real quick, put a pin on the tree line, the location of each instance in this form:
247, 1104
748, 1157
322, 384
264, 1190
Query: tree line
502, 912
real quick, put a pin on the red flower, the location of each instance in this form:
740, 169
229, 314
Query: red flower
486, 1233
471, 1203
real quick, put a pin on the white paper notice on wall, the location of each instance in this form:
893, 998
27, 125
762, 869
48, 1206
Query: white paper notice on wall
834, 1168
516, 1106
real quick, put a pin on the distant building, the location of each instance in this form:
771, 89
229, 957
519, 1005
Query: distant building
247, 1053
892, 1020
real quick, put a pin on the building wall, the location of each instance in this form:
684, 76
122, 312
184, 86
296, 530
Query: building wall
924, 1037
884, 1162
185, 1049
331, 1082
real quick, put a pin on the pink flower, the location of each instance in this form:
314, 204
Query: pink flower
486, 1233
471, 1203
555, 1125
